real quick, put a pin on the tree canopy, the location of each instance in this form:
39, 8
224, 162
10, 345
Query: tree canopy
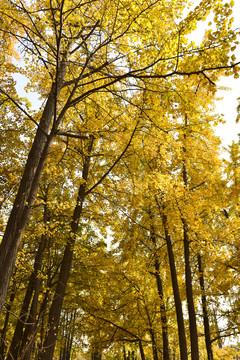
119, 218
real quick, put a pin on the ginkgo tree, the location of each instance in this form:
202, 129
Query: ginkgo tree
76, 50
111, 78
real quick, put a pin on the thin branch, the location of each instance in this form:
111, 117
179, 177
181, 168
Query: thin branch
197, 186
81, 77
182, 73
178, 48
23, 110
85, 38
225, 335
117, 326
114, 164
208, 78
72, 135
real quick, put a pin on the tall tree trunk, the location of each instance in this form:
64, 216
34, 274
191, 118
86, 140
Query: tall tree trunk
163, 312
28, 188
205, 311
152, 335
55, 310
177, 298
188, 273
189, 292
124, 353
21, 322
154, 345
96, 355
31, 326
5, 326
42, 314
68, 335
141, 350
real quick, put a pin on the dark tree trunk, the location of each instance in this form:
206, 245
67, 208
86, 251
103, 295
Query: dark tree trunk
28, 189
190, 302
65, 352
55, 310
188, 274
163, 312
96, 355
30, 329
69, 348
21, 322
177, 299
67, 338
154, 345
166, 355
152, 335
141, 350
5, 326
205, 311
124, 353
40, 320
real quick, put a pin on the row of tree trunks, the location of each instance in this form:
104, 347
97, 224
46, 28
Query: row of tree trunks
6, 320
67, 337
26, 321
65, 352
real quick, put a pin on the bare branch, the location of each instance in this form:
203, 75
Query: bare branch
72, 135
117, 326
114, 164
23, 110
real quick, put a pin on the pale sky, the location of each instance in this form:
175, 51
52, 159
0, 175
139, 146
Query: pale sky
228, 105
